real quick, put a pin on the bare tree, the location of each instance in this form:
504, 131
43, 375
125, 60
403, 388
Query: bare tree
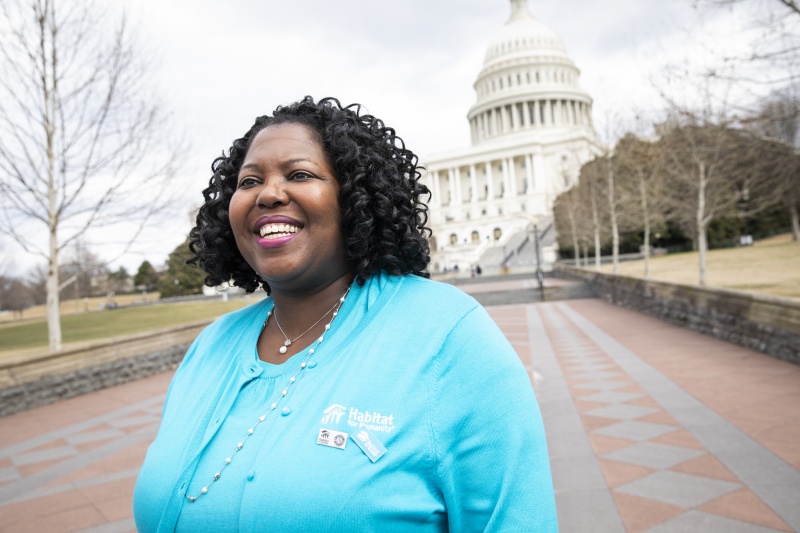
591, 187
81, 134
772, 27
639, 161
715, 172
778, 120
566, 210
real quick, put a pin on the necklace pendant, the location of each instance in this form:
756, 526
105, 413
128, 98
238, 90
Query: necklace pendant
282, 349
287, 342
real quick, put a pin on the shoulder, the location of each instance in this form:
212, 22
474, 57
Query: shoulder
229, 328
431, 297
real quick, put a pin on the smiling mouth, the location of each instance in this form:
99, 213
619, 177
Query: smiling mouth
276, 231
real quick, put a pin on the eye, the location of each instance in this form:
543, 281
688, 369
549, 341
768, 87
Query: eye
300, 175
247, 181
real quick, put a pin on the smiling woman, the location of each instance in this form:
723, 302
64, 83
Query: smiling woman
359, 395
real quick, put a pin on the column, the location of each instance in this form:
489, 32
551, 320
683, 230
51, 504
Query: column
514, 117
504, 118
473, 129
526, 114
459, 196
529, 173
473, 183
489, 181
436, 196
537, 113
512, 175
451, 186
506, 184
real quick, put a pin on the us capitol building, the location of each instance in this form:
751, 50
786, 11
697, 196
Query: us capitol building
531, 129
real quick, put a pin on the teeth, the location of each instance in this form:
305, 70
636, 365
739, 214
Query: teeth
274, 231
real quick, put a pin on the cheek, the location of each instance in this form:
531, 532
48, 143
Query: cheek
237, 211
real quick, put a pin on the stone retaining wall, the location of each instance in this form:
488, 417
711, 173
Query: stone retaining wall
764, 323
532, 295
29, 381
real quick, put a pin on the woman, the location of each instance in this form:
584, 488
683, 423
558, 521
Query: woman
359, 396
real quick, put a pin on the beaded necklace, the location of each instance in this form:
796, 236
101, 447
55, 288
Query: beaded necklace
289, 342
274, 404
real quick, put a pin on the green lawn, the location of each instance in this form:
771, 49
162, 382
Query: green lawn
111, 323
771, 266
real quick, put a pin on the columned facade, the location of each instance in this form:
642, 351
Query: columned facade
531, 130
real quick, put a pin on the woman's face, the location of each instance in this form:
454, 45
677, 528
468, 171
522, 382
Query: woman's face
285, 211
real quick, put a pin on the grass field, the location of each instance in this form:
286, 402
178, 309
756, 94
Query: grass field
771, 266
76, 328
83, 305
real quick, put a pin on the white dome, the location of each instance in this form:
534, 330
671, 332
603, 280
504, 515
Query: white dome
523, 34
527, 83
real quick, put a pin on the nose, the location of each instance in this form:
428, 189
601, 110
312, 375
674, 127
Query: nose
272, 193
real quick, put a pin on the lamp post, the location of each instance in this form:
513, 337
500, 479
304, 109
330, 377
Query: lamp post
539, 274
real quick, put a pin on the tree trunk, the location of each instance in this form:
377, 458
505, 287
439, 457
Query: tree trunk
49, 92
612, 209
702, 237
596, 223
795, 222
646, 245
573, 228
646, 220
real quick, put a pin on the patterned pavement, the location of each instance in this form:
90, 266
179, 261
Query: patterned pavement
650, 427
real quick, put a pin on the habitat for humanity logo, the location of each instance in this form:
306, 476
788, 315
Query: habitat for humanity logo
333, 414
373, 420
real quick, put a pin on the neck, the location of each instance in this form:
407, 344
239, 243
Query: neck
298, 310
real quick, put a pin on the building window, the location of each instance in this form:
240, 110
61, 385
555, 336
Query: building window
497, 234
475, 236
453, 238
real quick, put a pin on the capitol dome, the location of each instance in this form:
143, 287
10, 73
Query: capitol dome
523, 34
527, 82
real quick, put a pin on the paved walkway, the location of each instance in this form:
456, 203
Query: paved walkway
650, 427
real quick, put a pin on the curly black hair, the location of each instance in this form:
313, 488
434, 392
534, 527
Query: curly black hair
381, 197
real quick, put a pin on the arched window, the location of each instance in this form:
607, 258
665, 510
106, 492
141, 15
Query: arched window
497, 234
453, 238
476, 236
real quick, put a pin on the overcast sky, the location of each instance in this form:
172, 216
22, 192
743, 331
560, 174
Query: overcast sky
411, 63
